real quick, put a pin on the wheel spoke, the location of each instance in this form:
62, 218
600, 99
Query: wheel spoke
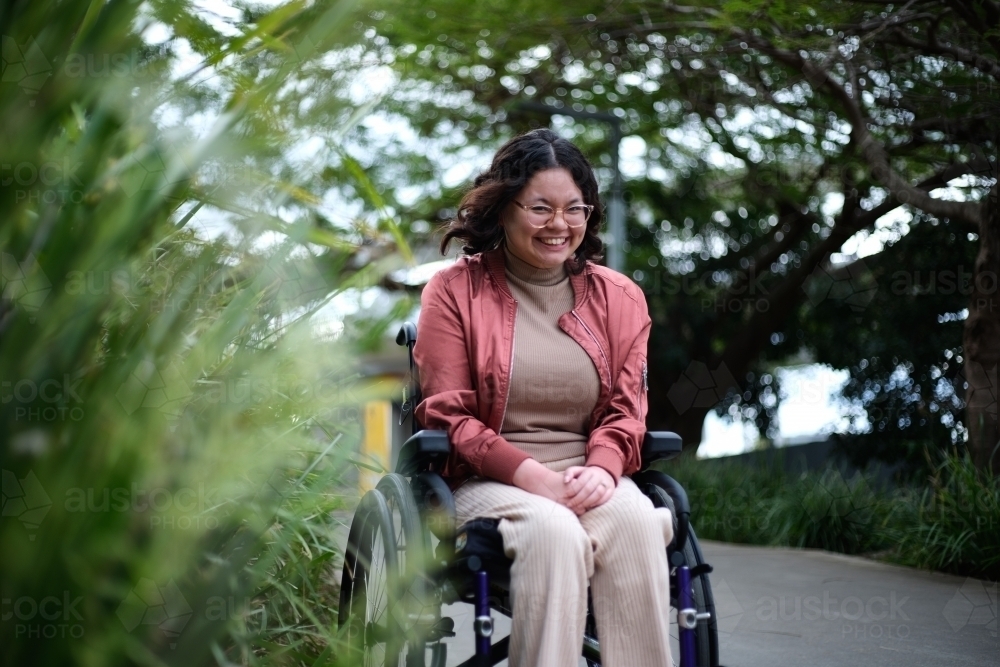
380, 582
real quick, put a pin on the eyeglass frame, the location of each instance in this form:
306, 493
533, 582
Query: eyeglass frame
556, 209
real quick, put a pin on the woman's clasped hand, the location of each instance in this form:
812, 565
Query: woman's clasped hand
580, 488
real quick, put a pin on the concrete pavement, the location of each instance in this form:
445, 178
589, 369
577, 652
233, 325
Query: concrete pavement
807, 607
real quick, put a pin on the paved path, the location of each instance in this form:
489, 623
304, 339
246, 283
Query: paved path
789, 608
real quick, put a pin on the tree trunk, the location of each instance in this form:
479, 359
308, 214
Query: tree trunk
981, 343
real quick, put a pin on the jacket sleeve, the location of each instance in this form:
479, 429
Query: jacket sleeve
615, 443
450, 401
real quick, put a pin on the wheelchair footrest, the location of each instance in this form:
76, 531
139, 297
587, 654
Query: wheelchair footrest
700, 569
445, 627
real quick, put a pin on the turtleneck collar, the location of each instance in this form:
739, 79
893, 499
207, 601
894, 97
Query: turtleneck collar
518, 268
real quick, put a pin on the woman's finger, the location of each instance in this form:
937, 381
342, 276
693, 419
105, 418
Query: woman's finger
602, 494
579, 498
595, 498
580, 480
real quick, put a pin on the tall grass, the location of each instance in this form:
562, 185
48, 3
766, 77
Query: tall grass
172, 440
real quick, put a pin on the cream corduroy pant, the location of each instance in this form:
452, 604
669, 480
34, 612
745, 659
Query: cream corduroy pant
618, 547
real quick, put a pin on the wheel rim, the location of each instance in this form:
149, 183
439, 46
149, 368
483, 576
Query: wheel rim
410, 541
376, 627
377, 594
369, 578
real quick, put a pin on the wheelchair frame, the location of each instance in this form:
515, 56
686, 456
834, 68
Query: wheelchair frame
391, 539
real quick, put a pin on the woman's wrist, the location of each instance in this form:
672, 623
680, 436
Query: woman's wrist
531, 476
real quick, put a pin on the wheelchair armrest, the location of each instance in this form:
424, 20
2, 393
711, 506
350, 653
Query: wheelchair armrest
660, 446
682, 508
423, 449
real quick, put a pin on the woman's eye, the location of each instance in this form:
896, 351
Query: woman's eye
541, 209
575, 210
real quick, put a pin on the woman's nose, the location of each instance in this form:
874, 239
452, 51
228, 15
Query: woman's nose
559, 215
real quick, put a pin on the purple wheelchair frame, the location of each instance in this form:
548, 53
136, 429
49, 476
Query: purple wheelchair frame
687, 618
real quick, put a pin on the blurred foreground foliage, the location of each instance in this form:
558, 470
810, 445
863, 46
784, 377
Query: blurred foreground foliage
172, 428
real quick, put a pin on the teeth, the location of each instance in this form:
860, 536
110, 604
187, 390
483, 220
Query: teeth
552, 241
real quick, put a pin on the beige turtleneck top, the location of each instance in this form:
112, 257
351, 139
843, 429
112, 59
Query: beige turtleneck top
554, 383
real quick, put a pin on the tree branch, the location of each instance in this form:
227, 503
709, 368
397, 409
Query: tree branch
964, 56
873, 151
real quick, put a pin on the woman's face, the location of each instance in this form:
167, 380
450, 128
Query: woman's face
554, 188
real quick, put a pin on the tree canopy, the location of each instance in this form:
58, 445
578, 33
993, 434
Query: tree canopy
772, 135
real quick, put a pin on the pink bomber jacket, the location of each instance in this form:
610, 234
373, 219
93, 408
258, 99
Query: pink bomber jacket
464, 353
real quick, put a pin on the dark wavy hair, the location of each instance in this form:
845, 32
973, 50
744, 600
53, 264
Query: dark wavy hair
477, 222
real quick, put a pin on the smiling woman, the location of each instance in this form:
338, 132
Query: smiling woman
533, 359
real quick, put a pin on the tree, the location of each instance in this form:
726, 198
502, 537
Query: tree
773, 134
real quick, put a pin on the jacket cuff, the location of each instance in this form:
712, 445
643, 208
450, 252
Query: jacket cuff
606, 458
502, 460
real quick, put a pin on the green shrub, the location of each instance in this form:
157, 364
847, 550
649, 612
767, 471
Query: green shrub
825, 510
729, 502
952, 524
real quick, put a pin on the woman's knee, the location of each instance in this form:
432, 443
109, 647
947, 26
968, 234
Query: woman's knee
556, 531
630, 525
562, 526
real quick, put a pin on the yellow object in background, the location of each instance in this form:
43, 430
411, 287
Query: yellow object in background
376, 446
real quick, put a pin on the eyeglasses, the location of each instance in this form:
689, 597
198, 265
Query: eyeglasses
540, 215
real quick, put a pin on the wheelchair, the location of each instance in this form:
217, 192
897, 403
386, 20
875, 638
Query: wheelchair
406, 559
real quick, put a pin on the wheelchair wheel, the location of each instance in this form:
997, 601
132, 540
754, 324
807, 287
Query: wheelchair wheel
369, 586
417, 612
382, 595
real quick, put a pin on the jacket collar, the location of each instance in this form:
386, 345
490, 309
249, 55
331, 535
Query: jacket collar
495, 263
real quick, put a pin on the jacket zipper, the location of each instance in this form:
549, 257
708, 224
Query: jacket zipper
510, 375
596, 342
643, 386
